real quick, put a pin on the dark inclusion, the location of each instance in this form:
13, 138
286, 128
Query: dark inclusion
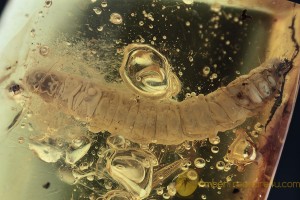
46, 185
14, 88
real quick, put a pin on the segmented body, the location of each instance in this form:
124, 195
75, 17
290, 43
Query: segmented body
166, 121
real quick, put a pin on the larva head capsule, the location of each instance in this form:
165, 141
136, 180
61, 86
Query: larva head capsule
278, 68
44, 84
34, 78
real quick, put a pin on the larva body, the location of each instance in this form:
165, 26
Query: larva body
166, 121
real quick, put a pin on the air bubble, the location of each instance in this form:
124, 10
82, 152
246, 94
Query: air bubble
199, 162
100, 28
166, 196
184, 167
206, 70
48, 3
203, 196
90, 178
215, 7
108, 185
258, 127
214, 76
83, 166
141, 23
116, 18
229, 178
192, 175
21, 140
171, 189
255, 134
97, 11
214, 149
44, 50
160, 191
23, 125
103, 4
76, 143
188, 2
29, 114
220, 165
227, 167
214, 140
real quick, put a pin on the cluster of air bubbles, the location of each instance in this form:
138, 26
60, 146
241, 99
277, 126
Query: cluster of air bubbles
148, 16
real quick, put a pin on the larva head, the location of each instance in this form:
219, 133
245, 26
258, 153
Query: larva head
276, 72
34, 79
43, 83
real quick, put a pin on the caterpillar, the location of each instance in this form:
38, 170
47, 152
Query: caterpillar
144, 118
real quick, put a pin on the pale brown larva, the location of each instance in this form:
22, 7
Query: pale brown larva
161, 120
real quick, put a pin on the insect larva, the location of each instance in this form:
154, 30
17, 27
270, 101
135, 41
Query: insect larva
166, 121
